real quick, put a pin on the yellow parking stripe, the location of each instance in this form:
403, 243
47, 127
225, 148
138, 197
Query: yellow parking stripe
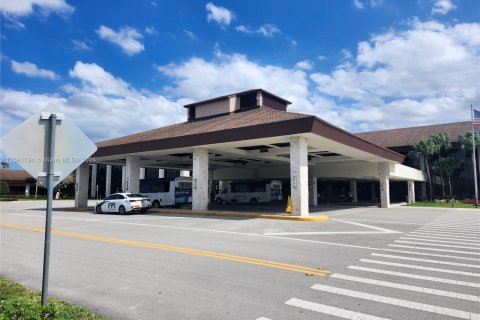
217, 255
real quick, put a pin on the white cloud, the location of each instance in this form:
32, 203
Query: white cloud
358, 4
321, 57
361, 4
31, 70
197, 78
151, 30
221, 15
20, 8
267, 30
129, 39
103, 105
417, 76
443, 7
190, 34
81, 45
304, 65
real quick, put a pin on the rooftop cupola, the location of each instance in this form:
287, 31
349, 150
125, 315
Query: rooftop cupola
236, 102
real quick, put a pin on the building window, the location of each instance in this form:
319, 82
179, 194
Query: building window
191, 112
248, 100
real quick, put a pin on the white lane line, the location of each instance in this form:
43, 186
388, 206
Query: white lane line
366, 226
436, 245
383, 221
397, 302
411, 266
225, 232
263, 318
431, 254
416, 276
400, 286
378, 230
332, 311
461, 232
434, 249
443, 238
426, 260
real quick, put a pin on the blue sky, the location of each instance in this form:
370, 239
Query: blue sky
118, 67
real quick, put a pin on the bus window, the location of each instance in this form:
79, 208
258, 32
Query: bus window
239, 188
160, 186
184, 185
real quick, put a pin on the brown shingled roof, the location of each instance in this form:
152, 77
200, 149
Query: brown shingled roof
408, 136
253, 117
14, 175
261, 122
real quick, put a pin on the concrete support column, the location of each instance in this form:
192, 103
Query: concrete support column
200, 179
411, 191
353, 190
424, 184
81, 185
27, 189
299, 176
312, 191
93, 182
142, 173
124, 178
383, 169
132, 174
108, 181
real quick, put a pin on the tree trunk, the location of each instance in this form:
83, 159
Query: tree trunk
450, 187
428, 177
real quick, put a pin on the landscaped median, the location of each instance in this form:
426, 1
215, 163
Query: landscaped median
432, 204
18, 302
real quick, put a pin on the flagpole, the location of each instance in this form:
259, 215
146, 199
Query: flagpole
474, 159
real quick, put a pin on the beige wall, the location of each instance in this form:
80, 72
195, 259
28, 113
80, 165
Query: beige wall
212, 108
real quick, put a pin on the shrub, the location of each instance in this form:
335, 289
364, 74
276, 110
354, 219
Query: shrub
4, 188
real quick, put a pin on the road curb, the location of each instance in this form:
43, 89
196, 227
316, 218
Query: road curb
322, 218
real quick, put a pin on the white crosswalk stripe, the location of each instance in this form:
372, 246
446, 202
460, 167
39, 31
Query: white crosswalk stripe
413, 238
447, 248
410, 266
397, 302
419, 235
426, 260
437, 292
333, 311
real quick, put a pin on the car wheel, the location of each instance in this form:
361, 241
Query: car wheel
219, 200
253, 201
98, 209
156, 204
122, 210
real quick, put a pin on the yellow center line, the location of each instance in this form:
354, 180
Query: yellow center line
217, 255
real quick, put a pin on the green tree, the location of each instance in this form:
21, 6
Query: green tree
425, 148
441, 142
466, 140
448, 166
5, 165
4, 187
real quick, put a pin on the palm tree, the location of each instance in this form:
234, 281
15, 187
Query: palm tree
425, 147
5, 165
441, 142
448, 165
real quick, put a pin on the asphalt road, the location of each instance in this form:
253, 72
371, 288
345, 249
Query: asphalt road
365, 263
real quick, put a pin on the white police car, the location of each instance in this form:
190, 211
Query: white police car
123, 203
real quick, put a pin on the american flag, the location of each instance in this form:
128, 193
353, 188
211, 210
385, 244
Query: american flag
476, 116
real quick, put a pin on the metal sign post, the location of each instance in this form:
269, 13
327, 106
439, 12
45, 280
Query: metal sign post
48, 220
40, 145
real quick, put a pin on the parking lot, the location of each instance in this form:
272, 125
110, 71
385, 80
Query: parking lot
399, 263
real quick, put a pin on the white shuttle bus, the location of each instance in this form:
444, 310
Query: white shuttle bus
167, 191
250, 191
